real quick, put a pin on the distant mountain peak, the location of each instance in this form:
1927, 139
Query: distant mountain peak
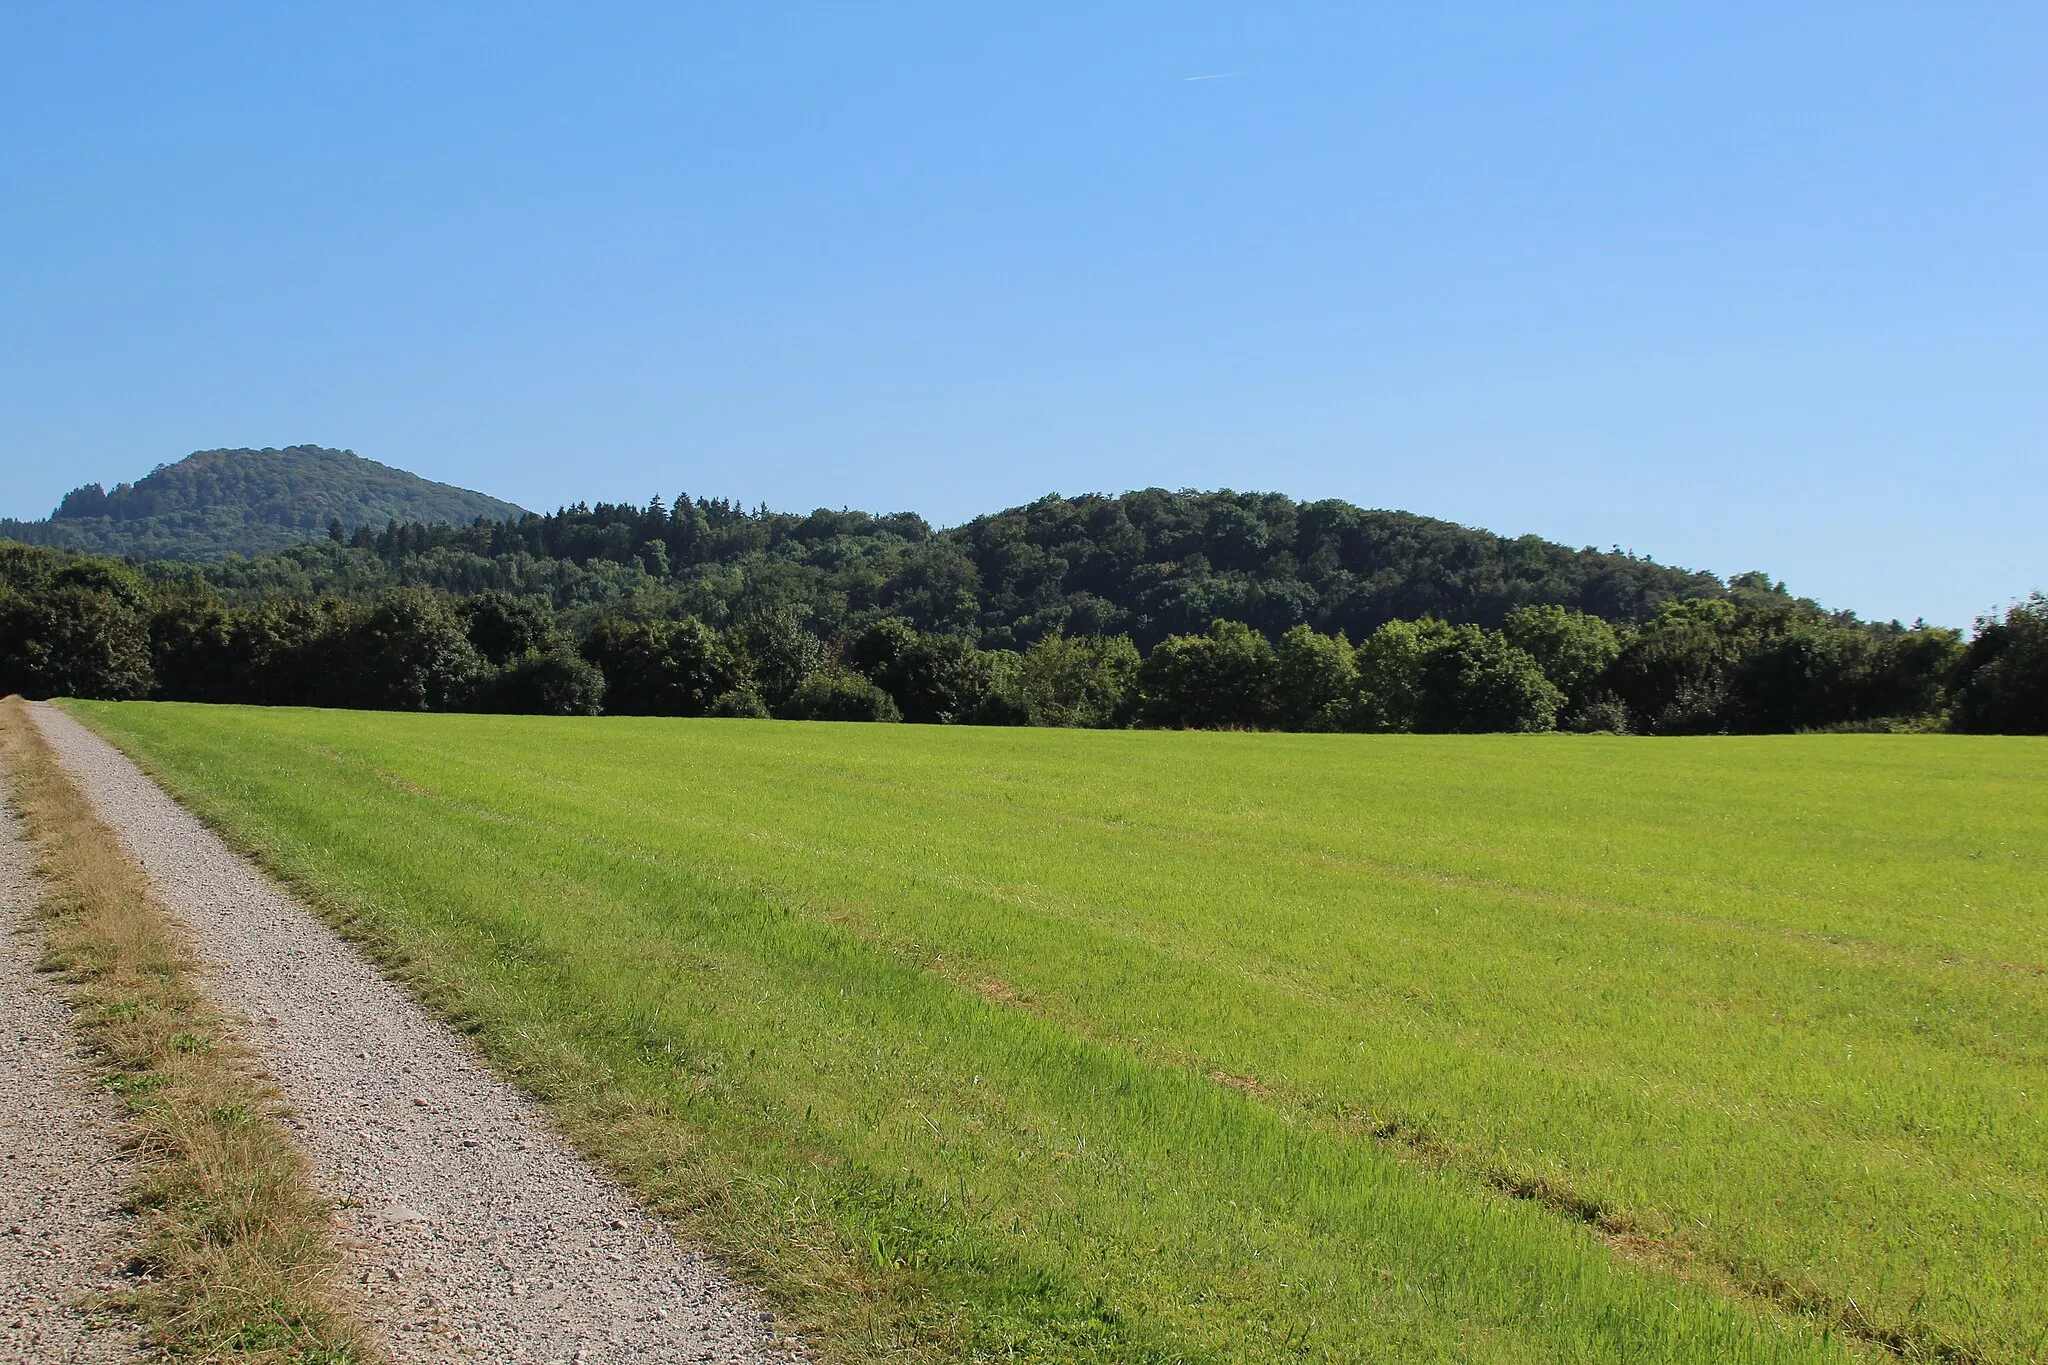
219, 502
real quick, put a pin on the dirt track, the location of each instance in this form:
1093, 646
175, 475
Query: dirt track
475, 1231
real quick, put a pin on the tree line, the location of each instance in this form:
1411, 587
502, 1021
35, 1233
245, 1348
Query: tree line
81, 626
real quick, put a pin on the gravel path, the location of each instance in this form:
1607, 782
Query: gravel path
61, 1175
477, 1232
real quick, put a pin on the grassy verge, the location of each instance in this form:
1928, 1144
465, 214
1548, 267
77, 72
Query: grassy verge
234, 1255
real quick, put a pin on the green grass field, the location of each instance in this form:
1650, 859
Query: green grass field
1156, 1046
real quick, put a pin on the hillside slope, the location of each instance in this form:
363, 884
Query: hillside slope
1148, 564
250, 502
1154, 562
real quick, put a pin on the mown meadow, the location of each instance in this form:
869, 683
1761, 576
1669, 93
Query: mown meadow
1058, 1045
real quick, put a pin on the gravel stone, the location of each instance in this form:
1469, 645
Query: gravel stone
474, 1231
61, 1174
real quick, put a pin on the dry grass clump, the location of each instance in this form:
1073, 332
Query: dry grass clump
234, 1258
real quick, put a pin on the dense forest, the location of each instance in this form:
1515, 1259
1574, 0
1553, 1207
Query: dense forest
1065, 613
1147, 564
219, 502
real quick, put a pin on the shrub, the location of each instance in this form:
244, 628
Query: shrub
1600, 714
742, 703
552, 682
839, 694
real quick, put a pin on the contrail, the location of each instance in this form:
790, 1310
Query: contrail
1217, 77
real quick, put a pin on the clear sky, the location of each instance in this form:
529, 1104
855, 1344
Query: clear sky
1736, 287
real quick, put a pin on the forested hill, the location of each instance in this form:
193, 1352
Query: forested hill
1147, 564
250, 502
1154, 563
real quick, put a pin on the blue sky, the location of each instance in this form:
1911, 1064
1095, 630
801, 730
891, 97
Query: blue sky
1744, 287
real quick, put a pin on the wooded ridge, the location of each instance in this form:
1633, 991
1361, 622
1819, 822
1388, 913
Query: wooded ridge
1199, 609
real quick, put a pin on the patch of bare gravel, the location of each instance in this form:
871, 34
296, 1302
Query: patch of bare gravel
476, 1232
61, 1174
